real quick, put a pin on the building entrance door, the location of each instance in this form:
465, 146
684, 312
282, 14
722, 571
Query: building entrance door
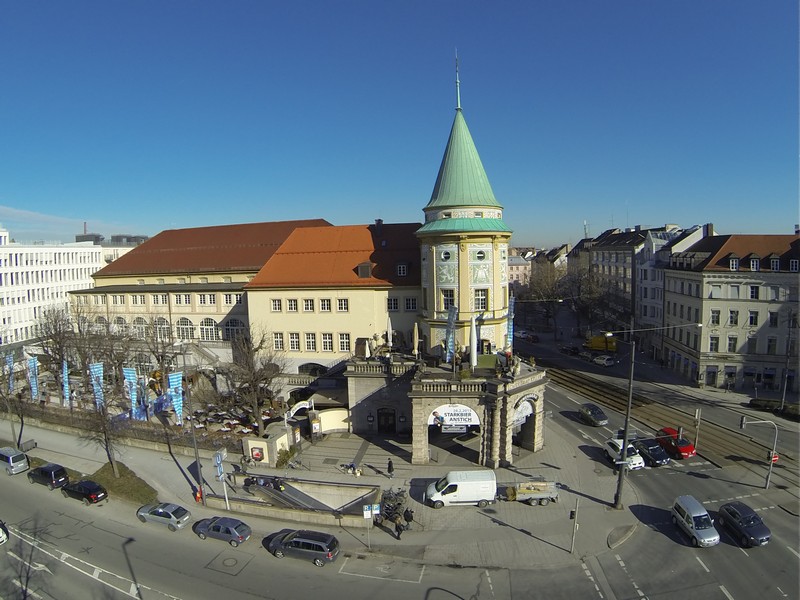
386, 420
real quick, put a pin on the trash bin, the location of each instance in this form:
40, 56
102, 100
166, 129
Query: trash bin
28, 445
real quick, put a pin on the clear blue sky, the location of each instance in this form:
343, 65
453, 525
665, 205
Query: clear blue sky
142, 116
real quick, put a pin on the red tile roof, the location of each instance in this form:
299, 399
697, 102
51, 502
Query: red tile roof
243, 247
721, 248
329, 257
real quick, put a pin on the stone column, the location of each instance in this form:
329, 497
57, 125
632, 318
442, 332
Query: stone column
419, 435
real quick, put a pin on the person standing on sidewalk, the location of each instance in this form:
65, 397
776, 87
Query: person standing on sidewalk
390, 469
398, 526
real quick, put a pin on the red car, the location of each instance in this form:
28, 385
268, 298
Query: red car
675, 445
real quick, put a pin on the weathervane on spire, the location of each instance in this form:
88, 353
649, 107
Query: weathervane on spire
458, 85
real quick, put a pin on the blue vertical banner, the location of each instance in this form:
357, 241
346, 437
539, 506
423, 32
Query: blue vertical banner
65, 379
510, 338
175, 381
450, 335
96, 374
33, 377
10, 369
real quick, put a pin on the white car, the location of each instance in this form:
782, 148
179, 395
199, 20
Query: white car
3, 534
613, 451
604, 360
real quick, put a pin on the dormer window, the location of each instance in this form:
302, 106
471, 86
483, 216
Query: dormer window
402, 270
479, 215
447, 215
734, 263
364, 270
140, 282
775, 264
204, 280
754, 264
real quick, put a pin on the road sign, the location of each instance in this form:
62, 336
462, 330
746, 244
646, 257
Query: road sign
774, 457
367, 511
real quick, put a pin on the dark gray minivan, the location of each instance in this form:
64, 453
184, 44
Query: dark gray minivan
13, 460
315, 546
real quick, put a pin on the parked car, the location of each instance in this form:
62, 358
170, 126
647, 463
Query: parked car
89, 492
586, 355
52, 475
571, 350
318, 547
174, 516
745, 523
604, 360
230, 530
613, 452
592, 414
3, 534
652, 453
675, 445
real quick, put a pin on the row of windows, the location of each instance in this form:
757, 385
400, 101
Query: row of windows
735, 292
752, 320
480, 299
163, 299
208, 330
309, 341
774, 264
751, 345
309, 304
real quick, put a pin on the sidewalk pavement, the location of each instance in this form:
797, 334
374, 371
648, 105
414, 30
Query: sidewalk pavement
503, 535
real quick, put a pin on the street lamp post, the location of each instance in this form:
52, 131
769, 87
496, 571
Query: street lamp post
188, 394
621, 467
743, 422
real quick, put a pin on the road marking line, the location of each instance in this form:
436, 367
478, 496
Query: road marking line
793, 551
702, 565
724, 591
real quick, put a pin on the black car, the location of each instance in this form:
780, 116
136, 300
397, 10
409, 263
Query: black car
88, 491
571, 350
592, 414
52, 475
651, 451
745, 523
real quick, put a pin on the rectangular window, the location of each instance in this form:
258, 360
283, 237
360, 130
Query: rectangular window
696, 315
733, 317
117, 299
411, 304
277, 305
680, 311
342, 305
773, 319
715, 317
754, 263
137, 299
212, 299
202, 300
772, 345
228, 299
325, 305
774, 292
178, 299
344, 342
754, 292
775, 264
716, 291
713, 344
794, 265
482, 299
308, 305
392, 304
753, 318
294, 342
402, 270
277, 341
448, 299
733, 344
311, 342
734, 264
238, 298
752, 345
734, 292
327, 342
291, 305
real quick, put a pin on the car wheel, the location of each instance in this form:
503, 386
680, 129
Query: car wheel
544, 501
437, 504
50, 487
745, 542
30, 479
233, 543
279, 554
202, 536
694, 542
319, 562
64, 493
85, 501
142, 519
482, 504
172, 527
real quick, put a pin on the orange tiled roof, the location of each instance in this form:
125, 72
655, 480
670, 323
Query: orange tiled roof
329, 257
243, 247
723, 247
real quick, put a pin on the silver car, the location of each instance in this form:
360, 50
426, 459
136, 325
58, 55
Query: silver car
173, 516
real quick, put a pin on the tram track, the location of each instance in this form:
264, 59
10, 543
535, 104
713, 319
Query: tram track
720, 445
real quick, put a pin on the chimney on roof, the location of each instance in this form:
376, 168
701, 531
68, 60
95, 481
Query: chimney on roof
378, 227
797, 228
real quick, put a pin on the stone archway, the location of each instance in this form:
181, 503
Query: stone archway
526, 428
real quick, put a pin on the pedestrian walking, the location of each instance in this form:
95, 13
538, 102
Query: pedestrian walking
398, 527
390, 468
408, 517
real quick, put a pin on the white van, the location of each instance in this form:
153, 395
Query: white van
691, 516
463, 487
13, 461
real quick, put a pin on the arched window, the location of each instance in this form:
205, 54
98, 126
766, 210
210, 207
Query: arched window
101, 325
163, 330
143, 364
185, 329
139, 330
233, 329
120, 326
209, 330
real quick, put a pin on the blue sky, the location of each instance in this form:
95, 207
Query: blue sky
136, 117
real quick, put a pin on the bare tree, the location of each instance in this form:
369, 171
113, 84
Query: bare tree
253, 374
158, 337
547, 289
106, 428
56, 341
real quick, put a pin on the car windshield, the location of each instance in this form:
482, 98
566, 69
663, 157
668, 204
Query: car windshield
751, 520
703, 522
683, 443
179, 512
241, 529
441, 484
631, 451
18, 458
